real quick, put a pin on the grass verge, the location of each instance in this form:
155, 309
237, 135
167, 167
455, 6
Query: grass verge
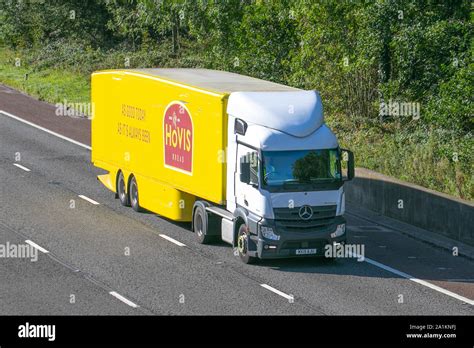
18, 71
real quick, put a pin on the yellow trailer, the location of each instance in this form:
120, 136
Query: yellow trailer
148, 127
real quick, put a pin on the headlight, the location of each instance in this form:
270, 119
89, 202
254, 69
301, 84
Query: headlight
267, 232
340, 230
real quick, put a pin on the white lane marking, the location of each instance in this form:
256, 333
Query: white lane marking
36, 246
45, 130
89, 200
172, 240
123, 299
21, 167
276, 291
416, 280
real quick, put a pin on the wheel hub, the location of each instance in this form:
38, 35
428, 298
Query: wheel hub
122, 190
199, 226
241, 243
134, 194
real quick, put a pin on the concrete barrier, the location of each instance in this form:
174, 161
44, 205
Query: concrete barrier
448, 216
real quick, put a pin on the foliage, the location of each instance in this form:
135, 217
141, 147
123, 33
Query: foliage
357, 53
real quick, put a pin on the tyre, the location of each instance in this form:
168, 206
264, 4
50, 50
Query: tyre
133, 194
201, 226
122, 195
242, 245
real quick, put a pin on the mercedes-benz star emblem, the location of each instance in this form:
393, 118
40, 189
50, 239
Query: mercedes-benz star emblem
306, 212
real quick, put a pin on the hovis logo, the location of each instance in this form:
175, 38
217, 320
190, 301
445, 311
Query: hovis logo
178, 138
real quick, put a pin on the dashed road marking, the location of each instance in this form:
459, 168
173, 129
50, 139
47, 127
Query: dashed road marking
123, 299
172, 240
278, 292
36, 246
21, 167
89, 200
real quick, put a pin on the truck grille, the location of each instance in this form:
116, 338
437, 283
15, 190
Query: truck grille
289, 218
311, 244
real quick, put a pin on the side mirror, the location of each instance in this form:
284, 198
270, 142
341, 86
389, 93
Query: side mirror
245, 172
240, 126
347, 158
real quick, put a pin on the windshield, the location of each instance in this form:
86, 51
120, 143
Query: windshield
290, 170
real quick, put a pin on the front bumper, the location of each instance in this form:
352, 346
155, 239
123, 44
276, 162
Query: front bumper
291, 241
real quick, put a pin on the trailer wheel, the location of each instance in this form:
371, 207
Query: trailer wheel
122, 195
242, 245
133, 194
201, 226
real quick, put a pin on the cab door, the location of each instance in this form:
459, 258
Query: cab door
246, 179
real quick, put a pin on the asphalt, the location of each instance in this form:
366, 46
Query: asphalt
97, 249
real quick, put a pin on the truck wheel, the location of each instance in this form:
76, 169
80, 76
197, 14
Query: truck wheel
122, 195
133, 192
200, 225
242, 245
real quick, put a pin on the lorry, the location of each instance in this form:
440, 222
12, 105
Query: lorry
242, 159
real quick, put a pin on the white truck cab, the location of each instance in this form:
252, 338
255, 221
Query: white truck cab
284, 176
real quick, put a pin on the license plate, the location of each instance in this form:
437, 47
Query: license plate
305, 251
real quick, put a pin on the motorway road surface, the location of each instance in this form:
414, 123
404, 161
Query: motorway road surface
112, 260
